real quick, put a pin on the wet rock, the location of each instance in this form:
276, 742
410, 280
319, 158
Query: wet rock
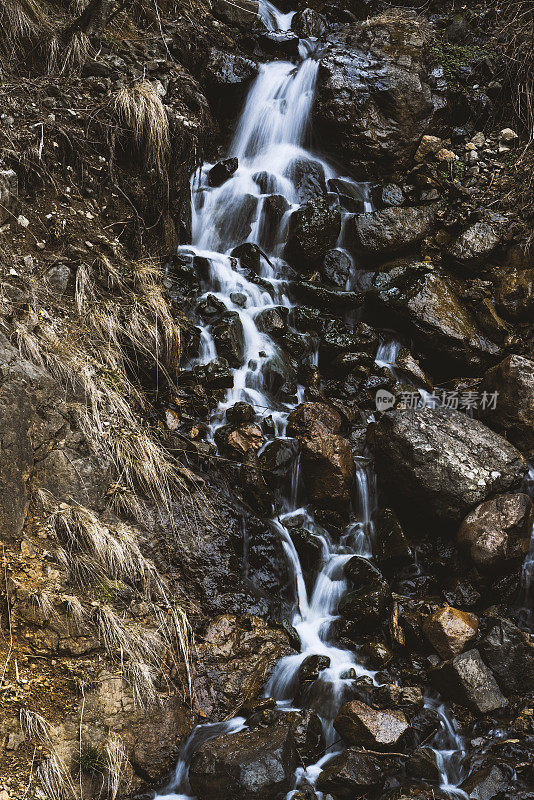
363, 726
281, 44
513, 414
237, 228
237, 442
365, 606
308, 177
274, 208
462, 594
515, 295
308, 23
222, 171
450, 631
372, 103
308, 734
393, 548
325, 298
242, 15
235, 658
311, 667
424, 305
239, 413
313, 229
422, 764
509, 653
488, 782
229, 72
474, 245
355, 772
389, 232
272, 321
409, 368
276, 460
249, 765
352, 196
391, 195
496, 534
467, 679
442, 462
327, 469
337, 267
249, 256
309, 417
215, 375
310, 551
422, 727
229, 338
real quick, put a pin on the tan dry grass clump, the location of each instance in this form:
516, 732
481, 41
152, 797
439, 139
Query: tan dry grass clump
515, 34
140, 111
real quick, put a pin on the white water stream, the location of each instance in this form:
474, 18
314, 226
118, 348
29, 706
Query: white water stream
268, 139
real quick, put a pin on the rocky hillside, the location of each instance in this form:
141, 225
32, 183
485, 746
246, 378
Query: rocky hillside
143, 587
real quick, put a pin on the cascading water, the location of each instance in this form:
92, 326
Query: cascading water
267, 142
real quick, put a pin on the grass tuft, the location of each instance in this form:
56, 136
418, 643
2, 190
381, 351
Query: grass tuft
140, 111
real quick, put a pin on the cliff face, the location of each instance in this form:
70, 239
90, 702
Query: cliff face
143, 587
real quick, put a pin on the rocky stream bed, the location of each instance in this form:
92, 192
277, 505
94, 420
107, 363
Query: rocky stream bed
319, 586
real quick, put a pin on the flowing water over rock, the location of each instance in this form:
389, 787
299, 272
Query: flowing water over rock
268, 145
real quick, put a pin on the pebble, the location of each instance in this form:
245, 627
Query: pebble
23, 221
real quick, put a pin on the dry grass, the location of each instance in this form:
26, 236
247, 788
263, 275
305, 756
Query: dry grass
141, 113
116, 761
35, 727
515, 35
21, 23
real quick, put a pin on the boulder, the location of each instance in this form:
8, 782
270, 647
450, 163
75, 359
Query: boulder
276, 460
250, 765
416, 298
243, 15
450, 631
273, 320
468, 680
237, 442
496, 534
327, 470
474, 246
356, 772
488, 782
215, 375
235, 658
423, 765
372, 102
249, 255
229, 338
337, 267
365, 604
515, 295
513, 380
509, 653
221, 171
313, 229
228, 72
308, 23
442, 463
428, 147
385, 233
308, 178
363, 726
274, 207
280, 44
240, 412
309, 416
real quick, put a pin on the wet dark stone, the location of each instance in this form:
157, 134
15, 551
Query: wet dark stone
313, 229
489, 782
337, 267
346, 363
309, 549
366, 604
239, 413
308, 23
229, 338
249, 256
326, 298
393, 549
274, 208
311, 667
210, 307
276, 460
249, 765
266, 182
282, 44
509, 653
222, 171
279, 376
391, 195
422, 764
468, 680
351, 196
308, 177
356, 772
272, 321
215, 375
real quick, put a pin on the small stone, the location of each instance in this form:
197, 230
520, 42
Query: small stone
449, 630
469, 681
23, 221
445, 155
428, 146
508, 136
478, 140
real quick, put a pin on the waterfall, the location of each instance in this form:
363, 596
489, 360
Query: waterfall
269, 137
